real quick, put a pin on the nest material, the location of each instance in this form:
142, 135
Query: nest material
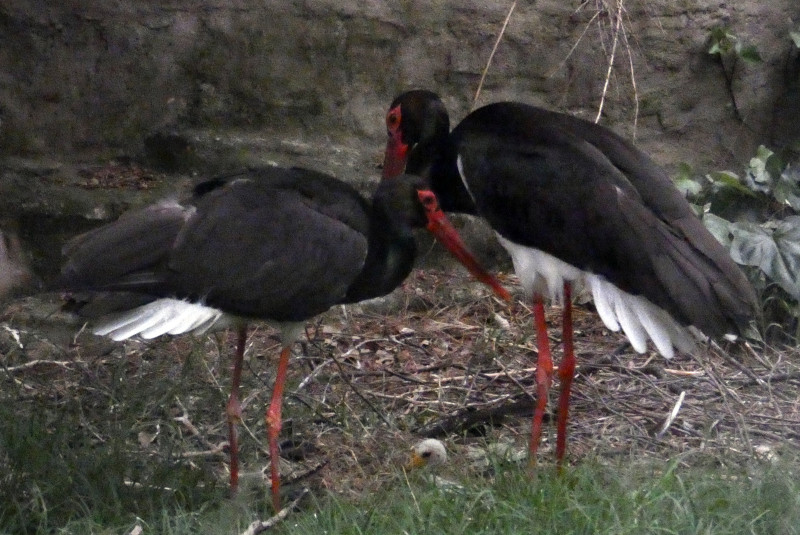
439, 358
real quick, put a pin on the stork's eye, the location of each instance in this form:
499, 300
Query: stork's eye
425, 454
428, 200
393, 118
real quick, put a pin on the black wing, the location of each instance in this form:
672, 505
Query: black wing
541, 186
279, 244
120, 255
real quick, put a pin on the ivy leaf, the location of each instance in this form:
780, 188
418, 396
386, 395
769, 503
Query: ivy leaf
719, 227
687, 185
758, 176
727, 180
787, 189
775, 252
796, 38
749, 53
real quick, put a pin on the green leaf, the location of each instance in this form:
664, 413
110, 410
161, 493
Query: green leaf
684, 171
775, 252
719, 228
775, 165
718, 33
687, 186
726, 180
787, 188
750, 54
796, 38
721, 41
757, 177
763, 153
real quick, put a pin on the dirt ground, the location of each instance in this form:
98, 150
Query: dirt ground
440, 357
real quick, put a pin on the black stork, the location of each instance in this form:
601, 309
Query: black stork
576, 206
274, 244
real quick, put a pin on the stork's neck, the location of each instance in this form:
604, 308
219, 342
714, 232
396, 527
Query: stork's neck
390, 257
427, 155
435, 159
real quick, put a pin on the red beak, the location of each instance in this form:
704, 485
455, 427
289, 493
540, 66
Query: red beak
394, 159
446, 234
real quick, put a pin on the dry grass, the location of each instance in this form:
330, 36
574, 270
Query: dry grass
608, 27
440, 357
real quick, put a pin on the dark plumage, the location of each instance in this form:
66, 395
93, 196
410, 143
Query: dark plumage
274, 244
576, 205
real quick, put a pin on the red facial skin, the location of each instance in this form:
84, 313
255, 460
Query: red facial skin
394, 163
394, 159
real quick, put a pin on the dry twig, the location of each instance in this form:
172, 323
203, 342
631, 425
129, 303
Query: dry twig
259, 526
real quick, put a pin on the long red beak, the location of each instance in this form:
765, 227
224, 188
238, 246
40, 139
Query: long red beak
395, 156
443, 230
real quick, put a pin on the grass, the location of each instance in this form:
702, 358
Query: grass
59, 469
98, 437
72, 488
591, 498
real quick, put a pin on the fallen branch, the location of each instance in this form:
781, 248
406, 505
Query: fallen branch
470, 417
260, 526
39, 362
308, 473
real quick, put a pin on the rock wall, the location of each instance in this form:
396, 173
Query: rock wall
94, 78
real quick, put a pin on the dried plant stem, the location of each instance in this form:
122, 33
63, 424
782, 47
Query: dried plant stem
575, 45
38, 362
633, 82
358, 393
491, 56
610, 60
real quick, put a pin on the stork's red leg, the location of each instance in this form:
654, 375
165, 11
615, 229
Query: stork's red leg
234, 408
544, 375
273, 418
566, 371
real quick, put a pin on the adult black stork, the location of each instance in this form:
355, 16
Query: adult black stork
275, 244
575, 205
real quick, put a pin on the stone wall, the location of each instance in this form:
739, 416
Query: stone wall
79, 77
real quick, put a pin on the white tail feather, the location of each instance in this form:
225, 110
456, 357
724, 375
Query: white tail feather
639, 319
163, 316
659, 332
543, 274
601, 301
630, 322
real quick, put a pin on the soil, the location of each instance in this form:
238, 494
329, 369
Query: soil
440, 357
